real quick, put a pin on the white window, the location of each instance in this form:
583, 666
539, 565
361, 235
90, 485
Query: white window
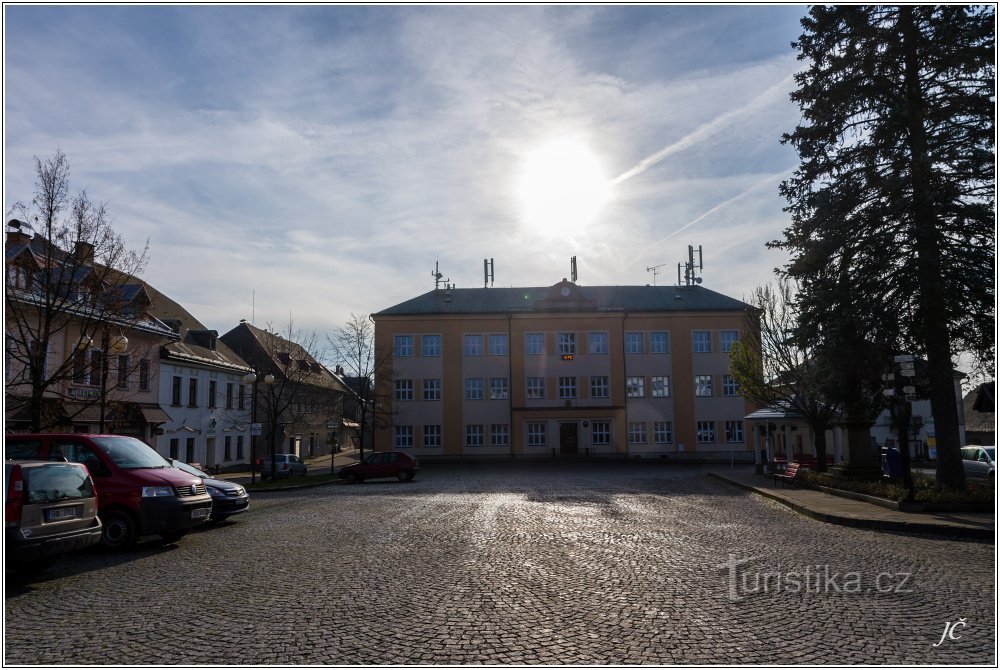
660, 386
703, 385
635, 387
474, 435
536, 434
432, 345
498, 388
729, 386
636, 432
567, 388
567, 343
601, 433
633, 343
403, 345
734, 431
599, 386
403, 436
473, 345
597, 343
432, 436
534, 344
663, 432
432, 389
728, 338
499, 435
659, 342
474, 388
536, 387
404, 389
702, 340
498, 345
706, 431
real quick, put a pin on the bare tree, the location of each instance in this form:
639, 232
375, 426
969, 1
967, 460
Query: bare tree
70, 297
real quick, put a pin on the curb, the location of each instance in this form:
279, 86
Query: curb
870, 524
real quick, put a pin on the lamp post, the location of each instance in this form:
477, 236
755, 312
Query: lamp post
251, 378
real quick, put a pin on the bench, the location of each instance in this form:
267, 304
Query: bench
789, 474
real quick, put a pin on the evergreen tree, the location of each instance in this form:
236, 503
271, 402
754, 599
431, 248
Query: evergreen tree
895, 187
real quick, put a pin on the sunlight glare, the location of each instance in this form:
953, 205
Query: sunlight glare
562, 188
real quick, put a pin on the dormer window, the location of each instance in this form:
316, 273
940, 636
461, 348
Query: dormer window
18, 276
284, 357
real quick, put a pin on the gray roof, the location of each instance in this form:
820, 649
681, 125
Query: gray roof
544, 299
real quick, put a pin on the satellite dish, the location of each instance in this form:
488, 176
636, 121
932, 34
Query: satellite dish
697, 280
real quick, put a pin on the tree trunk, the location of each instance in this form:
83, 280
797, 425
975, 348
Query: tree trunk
820, 433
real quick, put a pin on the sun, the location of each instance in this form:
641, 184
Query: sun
562, 188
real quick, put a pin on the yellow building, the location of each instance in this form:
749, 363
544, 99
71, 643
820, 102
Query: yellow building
608, 371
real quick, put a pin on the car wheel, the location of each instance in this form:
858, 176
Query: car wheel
405, 475
352, 478
119, 530
173, 536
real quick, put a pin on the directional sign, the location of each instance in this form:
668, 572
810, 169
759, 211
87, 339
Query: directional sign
908, 373
255, 429
910, 390
903, 358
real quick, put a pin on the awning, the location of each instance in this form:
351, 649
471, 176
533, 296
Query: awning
351, 424
155, 415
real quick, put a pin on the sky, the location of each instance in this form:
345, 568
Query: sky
307, 163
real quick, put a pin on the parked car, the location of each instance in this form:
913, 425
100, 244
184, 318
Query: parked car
285, 464
228, 498
980, 462
138, 491
50, 509
379, 465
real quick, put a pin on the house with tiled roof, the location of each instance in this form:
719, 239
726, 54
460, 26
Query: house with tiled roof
563, 371
980, 411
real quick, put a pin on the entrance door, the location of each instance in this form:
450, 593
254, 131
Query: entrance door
568, 438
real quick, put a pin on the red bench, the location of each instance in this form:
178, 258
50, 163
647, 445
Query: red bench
789, 474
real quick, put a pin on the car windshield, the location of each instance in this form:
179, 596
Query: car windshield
992, 453
191, 470
129, 453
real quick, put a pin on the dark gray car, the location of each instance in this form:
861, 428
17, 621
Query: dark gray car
228, 498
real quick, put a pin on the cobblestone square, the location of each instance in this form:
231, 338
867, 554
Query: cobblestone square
547, 563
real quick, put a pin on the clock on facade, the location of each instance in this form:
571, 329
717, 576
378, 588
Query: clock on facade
564, 291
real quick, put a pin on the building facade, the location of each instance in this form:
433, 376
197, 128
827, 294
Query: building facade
565, 370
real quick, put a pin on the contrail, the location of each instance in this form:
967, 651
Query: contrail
701, 133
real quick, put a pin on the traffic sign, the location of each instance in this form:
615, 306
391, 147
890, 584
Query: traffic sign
255, 429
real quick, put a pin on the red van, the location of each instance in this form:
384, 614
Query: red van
139, 493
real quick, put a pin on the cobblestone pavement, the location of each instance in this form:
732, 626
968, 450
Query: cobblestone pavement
515, 564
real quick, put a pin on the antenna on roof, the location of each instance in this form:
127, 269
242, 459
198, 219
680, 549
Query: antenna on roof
689, 268
654, 268
572, 269
437, 277
487, 272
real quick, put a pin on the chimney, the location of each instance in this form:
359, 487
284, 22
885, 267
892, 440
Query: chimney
84, 252
16, 233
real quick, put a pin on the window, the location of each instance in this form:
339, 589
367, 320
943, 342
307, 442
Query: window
499, 435
175, 393
474, 388
536, 387
702, 340
175, 448
239, 447
18, 276
636, 432
599, 386
534, 344
498, 388
663, 432
432, 389
601, 433
597, 343
703, 385
123, 371
229, 395
192, 392
473, 345
227, 450
567, 343
96, 364
728, 338
211, 392
734, 431
241, 398
660, 386
567, 388
633, 343
536, 434
403, 345
474, 435
79, 365
432, 436
402, 437
659, 342
404, 389
189, 451
498, 345
706, 431
431, 345
729, 386
635, 387
144, 374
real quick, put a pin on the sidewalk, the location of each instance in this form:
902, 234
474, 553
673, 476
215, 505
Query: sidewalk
318, 465
846, 512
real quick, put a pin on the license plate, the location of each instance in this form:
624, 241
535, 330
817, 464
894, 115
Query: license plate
199, 513
60, 514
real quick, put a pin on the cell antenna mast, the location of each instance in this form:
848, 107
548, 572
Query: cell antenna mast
689, 268
572, 269
487, 272
653, 269
437, 277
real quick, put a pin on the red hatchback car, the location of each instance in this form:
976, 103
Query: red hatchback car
379, 465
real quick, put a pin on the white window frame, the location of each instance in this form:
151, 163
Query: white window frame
432, 435
657, 344
404, 390
499, 388
734, 431
402, 437
432, 389
637, 432
727, 338
703, 386
430, 345
633, 343
597, 343
499, 435
635, 387
473, 345
534, 344
730, 388
663, 432
700, 344
664, 387
706, 432
474, 435
498, 344
535, 388
601, 433
536, 433
600, 386
474, 388
402, 346
567, 388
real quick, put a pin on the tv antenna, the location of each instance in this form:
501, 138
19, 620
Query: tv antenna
572, 269
653, 269
437, 277
689, 268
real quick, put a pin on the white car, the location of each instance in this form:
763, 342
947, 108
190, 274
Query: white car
287, 465
979, 462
